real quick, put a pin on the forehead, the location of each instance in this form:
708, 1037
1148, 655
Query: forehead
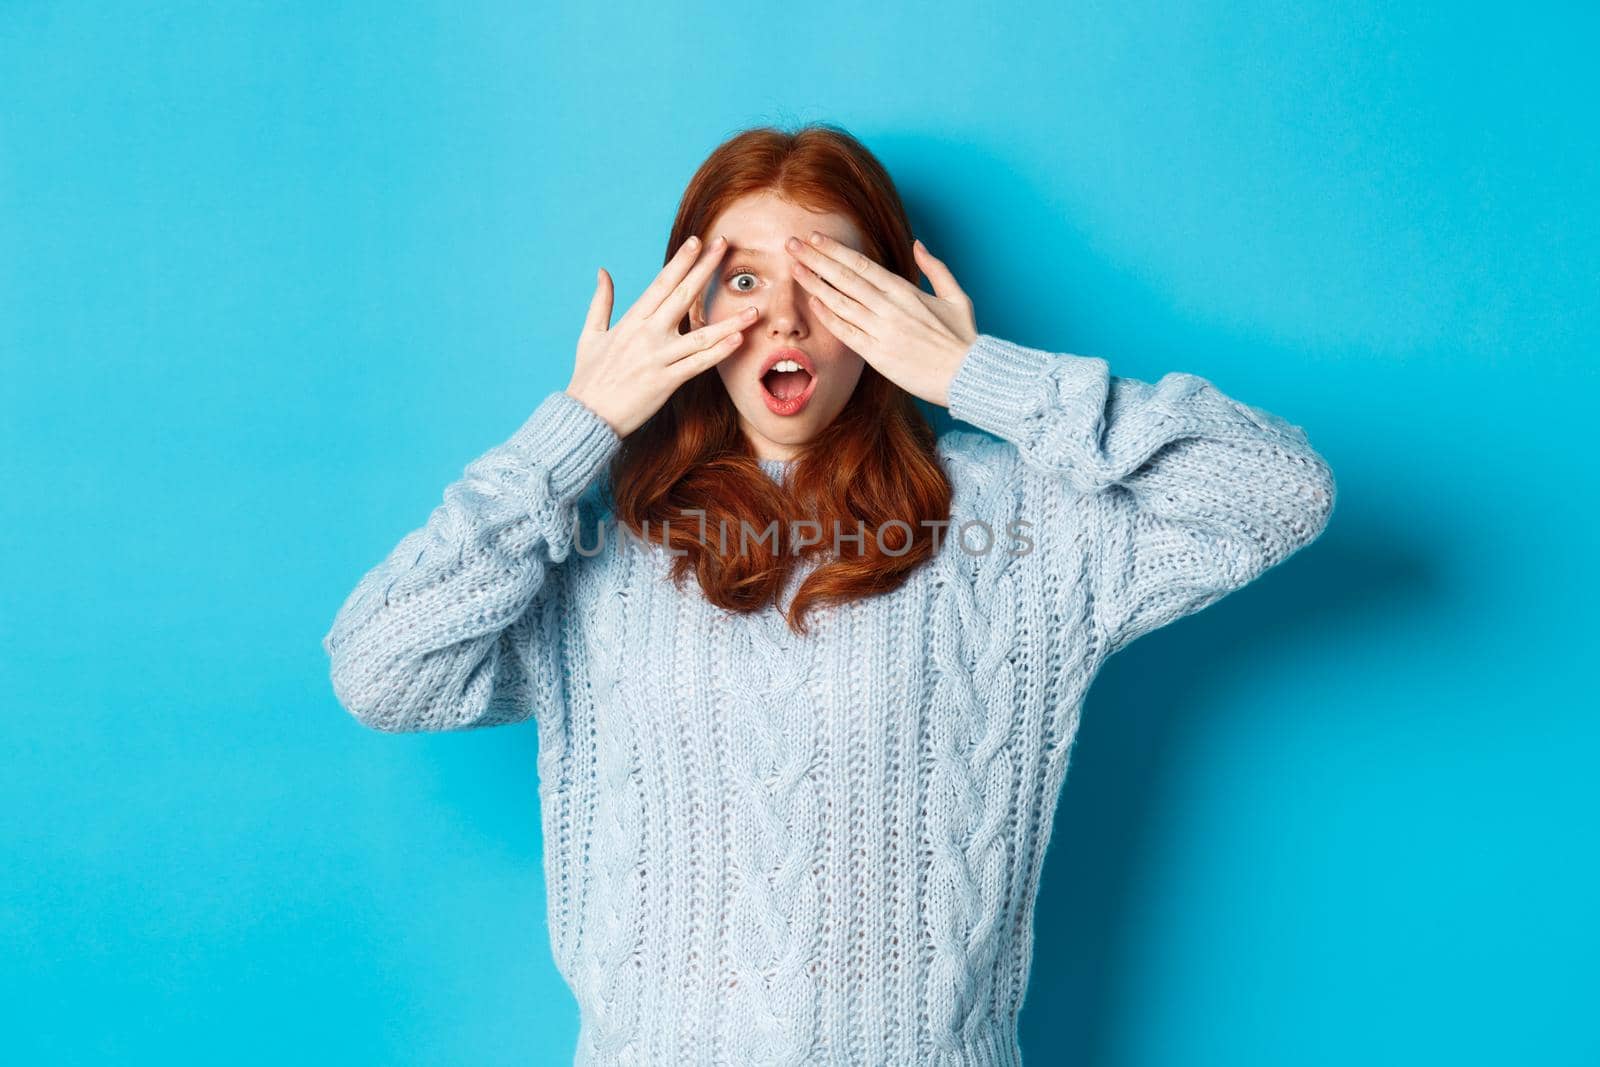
763, 221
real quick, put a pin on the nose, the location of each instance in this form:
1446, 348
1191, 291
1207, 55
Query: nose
786, 317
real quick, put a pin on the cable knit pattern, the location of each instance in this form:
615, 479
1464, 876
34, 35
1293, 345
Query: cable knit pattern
972, 699
608, 989
776, 914
768, 849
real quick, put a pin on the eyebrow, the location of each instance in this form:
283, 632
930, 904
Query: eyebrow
742, 250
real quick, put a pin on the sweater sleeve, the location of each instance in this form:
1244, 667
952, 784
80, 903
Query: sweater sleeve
1190, 494
454, 629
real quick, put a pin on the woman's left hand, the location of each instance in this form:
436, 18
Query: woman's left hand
915, 340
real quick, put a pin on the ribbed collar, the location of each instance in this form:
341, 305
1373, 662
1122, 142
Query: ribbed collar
776, 466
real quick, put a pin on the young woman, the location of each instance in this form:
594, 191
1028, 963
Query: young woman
796, 789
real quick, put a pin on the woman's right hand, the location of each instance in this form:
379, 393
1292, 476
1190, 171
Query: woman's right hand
626, 372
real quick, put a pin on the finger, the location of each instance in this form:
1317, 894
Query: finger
670, 275
703, 338
944, 283
701, 358
840, 305
896, 289
684, 293
599, 317
841, 275
852, 335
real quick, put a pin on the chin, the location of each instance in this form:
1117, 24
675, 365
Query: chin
818, 412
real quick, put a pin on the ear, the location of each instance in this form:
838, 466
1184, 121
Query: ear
697, 311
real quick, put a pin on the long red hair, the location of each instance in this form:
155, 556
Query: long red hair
875, 464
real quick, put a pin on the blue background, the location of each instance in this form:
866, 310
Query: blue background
270, 275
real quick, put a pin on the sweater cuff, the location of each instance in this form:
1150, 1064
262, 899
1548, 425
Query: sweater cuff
569, 439
998, 385
1001, 386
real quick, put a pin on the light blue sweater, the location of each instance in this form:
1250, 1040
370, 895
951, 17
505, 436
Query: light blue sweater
766, 849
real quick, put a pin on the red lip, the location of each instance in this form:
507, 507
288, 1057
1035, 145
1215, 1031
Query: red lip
794, 405
786, 353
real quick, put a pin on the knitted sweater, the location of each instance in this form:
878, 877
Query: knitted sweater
767, 849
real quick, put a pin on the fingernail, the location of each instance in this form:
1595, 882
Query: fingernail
748, 313
816, 238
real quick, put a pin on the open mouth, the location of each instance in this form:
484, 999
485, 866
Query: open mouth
787, 381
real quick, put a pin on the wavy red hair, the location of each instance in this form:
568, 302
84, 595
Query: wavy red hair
874, 463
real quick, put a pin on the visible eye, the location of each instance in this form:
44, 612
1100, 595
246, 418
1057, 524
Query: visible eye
734, 277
